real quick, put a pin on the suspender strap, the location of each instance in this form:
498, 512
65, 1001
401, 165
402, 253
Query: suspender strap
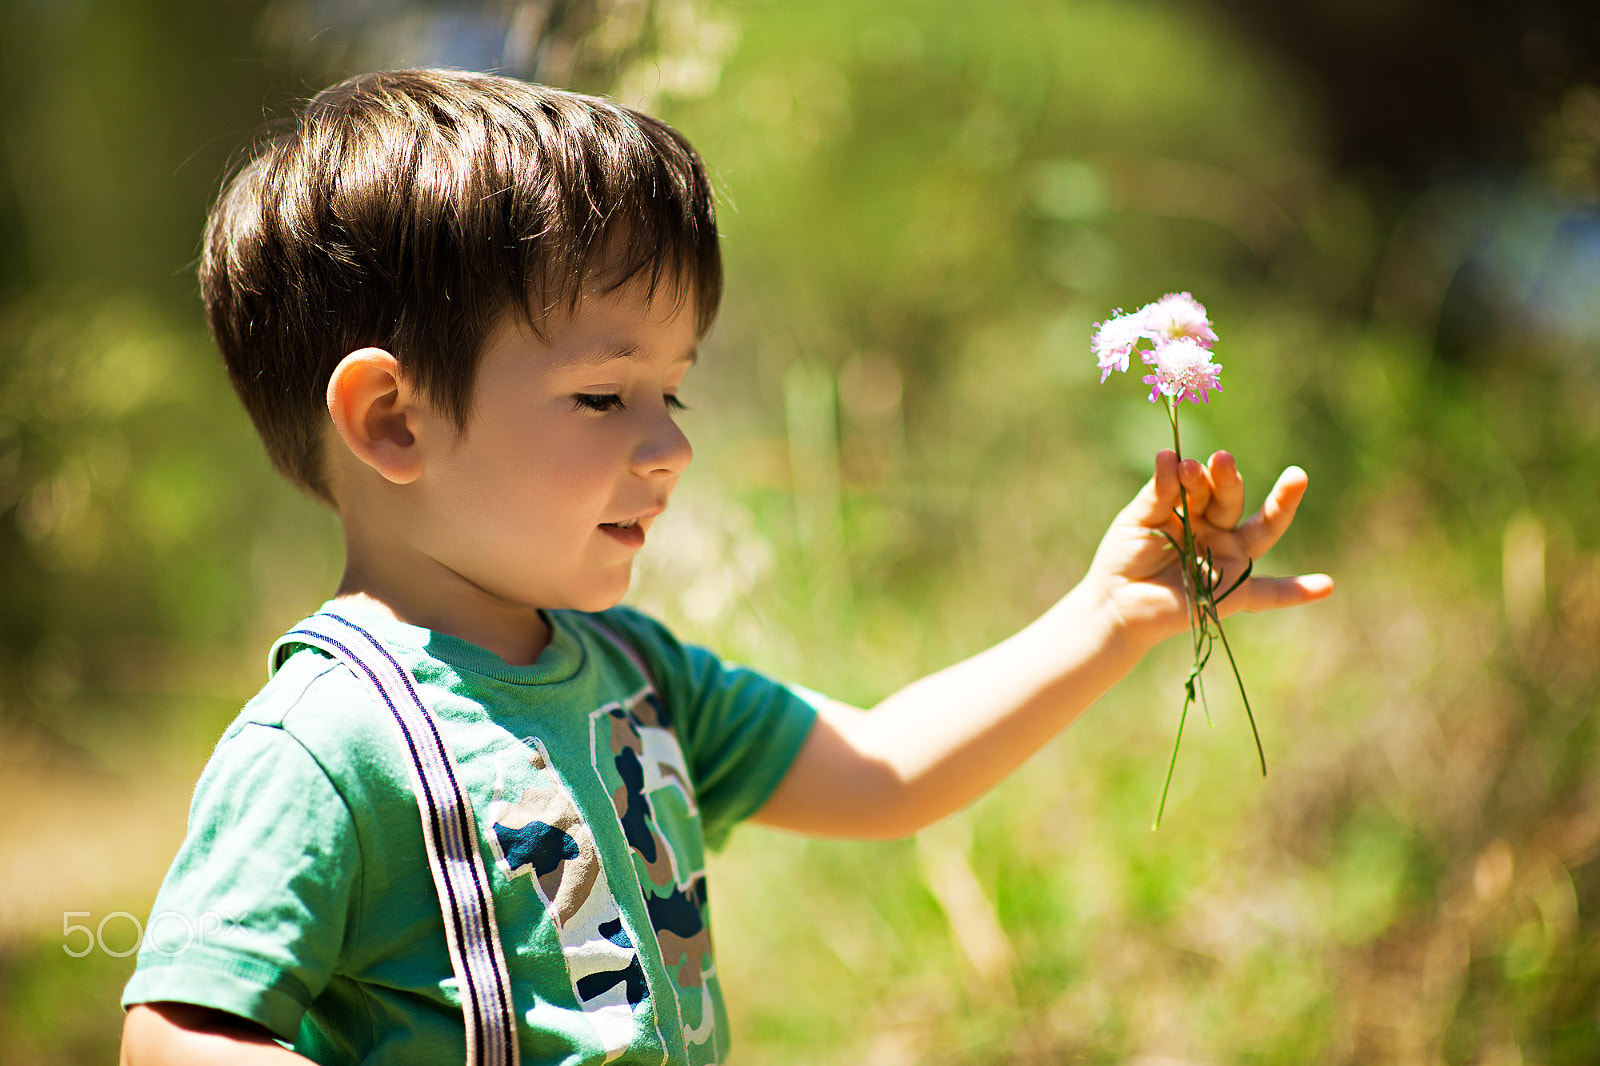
626, 647
449, 831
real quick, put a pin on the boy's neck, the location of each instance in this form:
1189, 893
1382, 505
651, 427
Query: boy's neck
515, 633
387, 572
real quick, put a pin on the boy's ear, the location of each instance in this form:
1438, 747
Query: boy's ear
377, 413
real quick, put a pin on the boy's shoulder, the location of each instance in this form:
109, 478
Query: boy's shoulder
307, 678
315, 704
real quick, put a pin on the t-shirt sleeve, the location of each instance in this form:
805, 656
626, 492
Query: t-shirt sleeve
254, 910
739, 728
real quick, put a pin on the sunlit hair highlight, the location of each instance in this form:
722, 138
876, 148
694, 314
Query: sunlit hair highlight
411, 210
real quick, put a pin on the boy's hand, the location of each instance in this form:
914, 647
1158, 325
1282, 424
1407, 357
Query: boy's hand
940, 742
1136, 569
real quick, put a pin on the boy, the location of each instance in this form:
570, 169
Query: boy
459, 309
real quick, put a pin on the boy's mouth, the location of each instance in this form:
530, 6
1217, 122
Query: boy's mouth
628, 533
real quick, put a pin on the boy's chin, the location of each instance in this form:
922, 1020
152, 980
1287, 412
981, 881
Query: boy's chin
601, 599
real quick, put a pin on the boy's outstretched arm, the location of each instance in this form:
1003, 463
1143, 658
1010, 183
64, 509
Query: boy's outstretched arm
939, 743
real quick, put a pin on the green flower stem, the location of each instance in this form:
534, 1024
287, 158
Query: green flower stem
1189, 564
1254, 732
1200, 585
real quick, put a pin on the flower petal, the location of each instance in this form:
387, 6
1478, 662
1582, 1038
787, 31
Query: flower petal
1184, 371
1175, 316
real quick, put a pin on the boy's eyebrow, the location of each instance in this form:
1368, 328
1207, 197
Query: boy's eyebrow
606, 355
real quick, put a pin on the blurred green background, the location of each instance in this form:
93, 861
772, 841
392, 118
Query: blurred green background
903, 454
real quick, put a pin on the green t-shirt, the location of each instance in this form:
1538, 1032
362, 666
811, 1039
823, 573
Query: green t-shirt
302, 897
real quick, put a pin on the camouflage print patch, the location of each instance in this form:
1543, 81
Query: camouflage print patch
625, 733
641, 762
553, 843
687, 957
666, 771
542, 835
650, 712
638, 825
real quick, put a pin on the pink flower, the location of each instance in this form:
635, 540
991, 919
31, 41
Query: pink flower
1175, 316
1183, 371
1114, 339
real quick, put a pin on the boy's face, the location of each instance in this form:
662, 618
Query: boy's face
570, 451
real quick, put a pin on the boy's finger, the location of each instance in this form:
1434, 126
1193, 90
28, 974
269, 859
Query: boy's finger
1273, 593
1227, 492
1276, 515
1196, 486
1152, 507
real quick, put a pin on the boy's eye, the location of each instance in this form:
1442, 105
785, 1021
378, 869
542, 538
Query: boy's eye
610, 401
604, 401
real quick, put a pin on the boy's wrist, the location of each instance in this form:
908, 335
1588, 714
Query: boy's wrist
1090, 617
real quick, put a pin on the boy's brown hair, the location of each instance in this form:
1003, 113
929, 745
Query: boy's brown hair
409, 210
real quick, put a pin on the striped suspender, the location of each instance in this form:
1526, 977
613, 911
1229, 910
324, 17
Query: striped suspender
449, 832
626, 647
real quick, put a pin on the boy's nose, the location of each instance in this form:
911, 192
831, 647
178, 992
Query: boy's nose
665, 450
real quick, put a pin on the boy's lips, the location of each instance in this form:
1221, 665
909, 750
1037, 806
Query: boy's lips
628, 536
631, 531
